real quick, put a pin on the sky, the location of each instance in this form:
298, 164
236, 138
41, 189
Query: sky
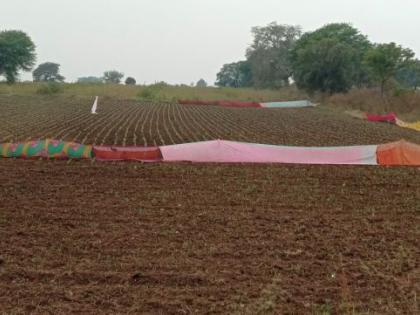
181, 41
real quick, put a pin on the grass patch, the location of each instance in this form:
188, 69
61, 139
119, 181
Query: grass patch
50, 88
155, 92
406, 103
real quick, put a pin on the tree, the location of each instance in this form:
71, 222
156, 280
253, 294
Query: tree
326, 67
17, 52
90, 80
236, 74
269, 54
385, 60
201, 83
330, 59
113, 76
130, 81
48, 71
409, 75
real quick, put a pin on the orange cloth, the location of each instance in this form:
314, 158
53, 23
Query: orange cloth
398, 153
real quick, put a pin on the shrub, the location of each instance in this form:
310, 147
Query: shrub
147, 94
154, 92
50, 88
130, 81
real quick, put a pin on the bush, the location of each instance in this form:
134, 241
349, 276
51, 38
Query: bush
148, 94
130, 81
50, 88
370, 100
153, 92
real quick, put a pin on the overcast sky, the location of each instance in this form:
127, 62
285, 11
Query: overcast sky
181, 41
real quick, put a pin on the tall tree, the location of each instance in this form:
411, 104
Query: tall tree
236, 74
17, 52
113, 76
330, 59
385, 60
201, 83
48, 71
269, 54
409, 75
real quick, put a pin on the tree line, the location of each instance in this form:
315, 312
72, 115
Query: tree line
111, 76
332, 59
17, 53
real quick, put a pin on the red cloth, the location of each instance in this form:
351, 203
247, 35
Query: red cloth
118, 153
390, 118
238, 104
221, 103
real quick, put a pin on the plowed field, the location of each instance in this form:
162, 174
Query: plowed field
130, 238
135, 123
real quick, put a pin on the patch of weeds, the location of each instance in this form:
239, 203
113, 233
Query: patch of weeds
324, 309
50, 88
147, 94
152, 93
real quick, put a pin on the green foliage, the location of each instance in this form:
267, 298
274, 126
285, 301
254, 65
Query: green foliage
90, 80
147, 94
163, 92
330, 59
409, 75
325, 67
201, 83
46, 72
385, 60
160, 85
153, 92
268, 55
324, 309
130, 81
17, 52
50, 88
113, 76
236, 74
398, 92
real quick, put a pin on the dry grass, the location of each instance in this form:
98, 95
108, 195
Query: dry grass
406, 104
159, 92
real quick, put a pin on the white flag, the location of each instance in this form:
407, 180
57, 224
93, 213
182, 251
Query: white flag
95, 105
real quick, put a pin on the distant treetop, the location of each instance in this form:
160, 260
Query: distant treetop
330, 59
130, 81
48, 71
17, 52
201, 83
90, 79
113, 76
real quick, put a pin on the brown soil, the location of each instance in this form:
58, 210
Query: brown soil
91, 238
98, 238
134, 123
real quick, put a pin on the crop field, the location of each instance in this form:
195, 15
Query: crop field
84, 237
141, 123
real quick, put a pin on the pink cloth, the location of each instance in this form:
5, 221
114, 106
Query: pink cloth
220, 151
